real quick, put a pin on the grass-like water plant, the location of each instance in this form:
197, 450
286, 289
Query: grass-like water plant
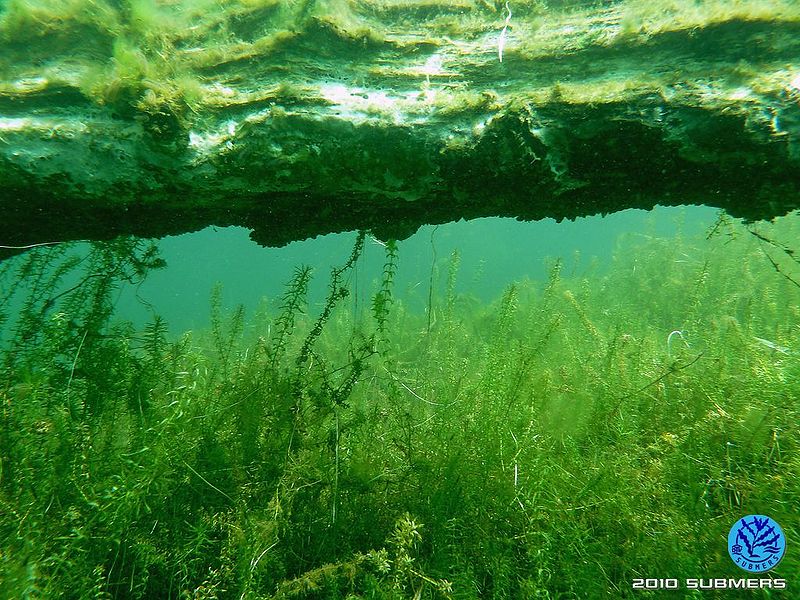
551, 444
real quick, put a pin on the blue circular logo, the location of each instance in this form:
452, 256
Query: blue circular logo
756, 543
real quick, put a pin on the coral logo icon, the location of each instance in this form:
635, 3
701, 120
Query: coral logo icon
756, 543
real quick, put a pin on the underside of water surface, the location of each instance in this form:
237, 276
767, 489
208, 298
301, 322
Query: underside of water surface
304, 117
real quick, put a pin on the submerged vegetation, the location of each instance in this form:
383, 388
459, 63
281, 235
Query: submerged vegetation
556, 443
167, 60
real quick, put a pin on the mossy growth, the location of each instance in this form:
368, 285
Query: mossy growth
647, 18
164, 60
28, 20
130, 55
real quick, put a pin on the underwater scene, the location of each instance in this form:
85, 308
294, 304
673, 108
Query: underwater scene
360, 433
399, 299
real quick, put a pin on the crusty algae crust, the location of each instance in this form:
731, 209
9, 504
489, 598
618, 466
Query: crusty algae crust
389, 114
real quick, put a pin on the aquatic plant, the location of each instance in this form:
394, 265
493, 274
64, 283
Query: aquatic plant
382, 300
292, 305
526, 434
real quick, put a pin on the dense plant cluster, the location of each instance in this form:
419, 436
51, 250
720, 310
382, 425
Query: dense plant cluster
552, 444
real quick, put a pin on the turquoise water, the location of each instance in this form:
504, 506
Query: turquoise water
493, 253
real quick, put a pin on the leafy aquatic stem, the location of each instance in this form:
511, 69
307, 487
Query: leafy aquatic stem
383, 300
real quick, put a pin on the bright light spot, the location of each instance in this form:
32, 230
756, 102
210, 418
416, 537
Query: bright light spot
740, 93
381, 100
358, 103
203, 142
30, 84
223, 90
433, 66
14, 124
335, 93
